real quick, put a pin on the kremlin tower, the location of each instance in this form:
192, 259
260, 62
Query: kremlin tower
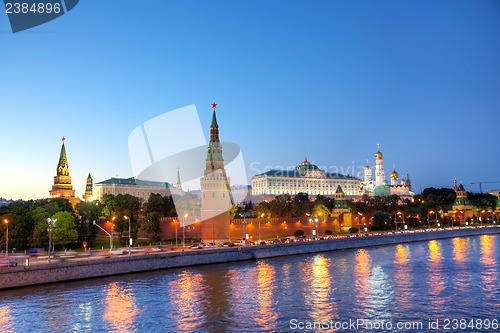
215, 196
394, 177
89, 196
62, 187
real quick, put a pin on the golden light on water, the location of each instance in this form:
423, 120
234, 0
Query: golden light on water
435, 279
6, 320
321, 288
266, 284
460, 249
120, 310
403, 280
184, 295
488, 260
362, 272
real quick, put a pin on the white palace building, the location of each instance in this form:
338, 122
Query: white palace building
305, 178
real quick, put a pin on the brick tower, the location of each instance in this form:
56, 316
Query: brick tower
215, 198
62, 187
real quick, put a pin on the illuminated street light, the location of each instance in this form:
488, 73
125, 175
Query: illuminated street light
51, 226
109, 234
7, 240
184, 230
129, 238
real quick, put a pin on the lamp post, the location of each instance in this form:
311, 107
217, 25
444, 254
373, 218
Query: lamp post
316, 223
481, 217
429, 218
7, 239
51, 226
109, 234
359, 221
129, 239
244, 230
262, 216
184, 230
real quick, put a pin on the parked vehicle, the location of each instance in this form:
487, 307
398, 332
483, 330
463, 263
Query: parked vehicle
228, 244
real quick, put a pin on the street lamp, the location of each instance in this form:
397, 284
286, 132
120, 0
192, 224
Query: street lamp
316, 223
244, 230
129, 239
429, 218
183, 230
262, 216
359, 221
51, 226
481, 217
7, 240
109, 234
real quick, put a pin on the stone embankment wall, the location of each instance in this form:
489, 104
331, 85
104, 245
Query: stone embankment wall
12, 277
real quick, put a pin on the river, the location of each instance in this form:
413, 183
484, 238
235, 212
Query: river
438, 283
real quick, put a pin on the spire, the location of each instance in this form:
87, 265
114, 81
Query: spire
179, 184
214, 159
407, 176
89, 177
214, 127
62, 166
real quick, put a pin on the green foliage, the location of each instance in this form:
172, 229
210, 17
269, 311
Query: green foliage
125, 209
164, 206
380, 221
353, 230
298, 233
320, 210
65, 229
189, 204
152, 227
232, 211
328, 232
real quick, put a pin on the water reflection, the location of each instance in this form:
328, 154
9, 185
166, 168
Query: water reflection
403, 280
362, 272
120, 310
435, 281
488, 273
6, 319
461, 277
184, 294
266, 284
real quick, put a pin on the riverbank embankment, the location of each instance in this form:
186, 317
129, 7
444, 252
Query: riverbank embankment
20, 276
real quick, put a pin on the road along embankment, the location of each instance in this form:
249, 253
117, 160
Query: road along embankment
20, 276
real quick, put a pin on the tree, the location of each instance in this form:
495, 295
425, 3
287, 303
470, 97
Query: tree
321, 210
380, 220
152, 226
298, 233
65, 229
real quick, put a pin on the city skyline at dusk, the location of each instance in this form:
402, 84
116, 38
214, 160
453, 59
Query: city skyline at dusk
331, 78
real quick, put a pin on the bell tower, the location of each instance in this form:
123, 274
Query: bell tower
379, 168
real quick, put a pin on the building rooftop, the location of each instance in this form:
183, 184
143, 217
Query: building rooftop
133, 181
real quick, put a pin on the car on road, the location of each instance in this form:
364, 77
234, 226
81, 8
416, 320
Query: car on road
228, 244
210, 245
158, 249
196, 245
8, 262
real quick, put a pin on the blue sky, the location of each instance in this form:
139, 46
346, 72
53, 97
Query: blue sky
422, 78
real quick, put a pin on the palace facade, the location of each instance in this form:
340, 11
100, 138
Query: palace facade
135, 187
305, 178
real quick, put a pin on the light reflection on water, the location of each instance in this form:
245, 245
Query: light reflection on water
452, 278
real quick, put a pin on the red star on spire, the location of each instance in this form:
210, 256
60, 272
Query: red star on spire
63, 138
214, 105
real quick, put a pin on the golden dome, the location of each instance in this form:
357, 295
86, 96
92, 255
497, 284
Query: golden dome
394, 174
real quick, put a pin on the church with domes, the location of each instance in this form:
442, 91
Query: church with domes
379, 186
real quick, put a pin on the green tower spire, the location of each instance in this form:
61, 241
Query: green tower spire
179, 184
62, 167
